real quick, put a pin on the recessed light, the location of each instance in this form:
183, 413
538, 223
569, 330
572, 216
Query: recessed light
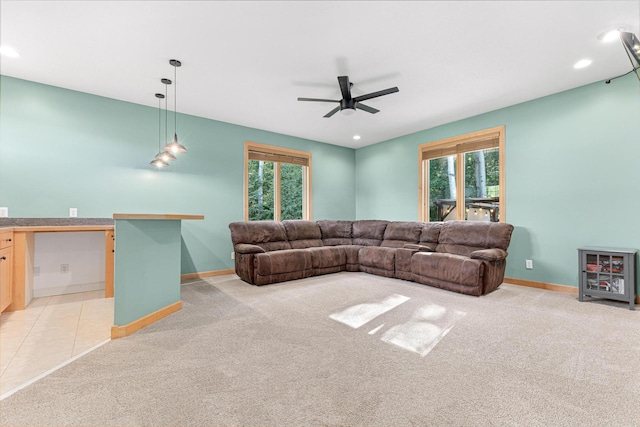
610, 35
9, 52
356, 137
582, 63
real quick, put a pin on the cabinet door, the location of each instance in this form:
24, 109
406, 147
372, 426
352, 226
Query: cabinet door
5, 277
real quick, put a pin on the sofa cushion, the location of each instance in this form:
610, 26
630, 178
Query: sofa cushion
464, 237
352, 251
430, 234
448, 267
397, 234
335, 232
303, 234
327, 257
375, 256
269, 235
285, 261
368, 232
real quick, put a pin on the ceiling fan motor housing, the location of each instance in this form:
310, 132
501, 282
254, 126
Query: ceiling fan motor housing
347, 104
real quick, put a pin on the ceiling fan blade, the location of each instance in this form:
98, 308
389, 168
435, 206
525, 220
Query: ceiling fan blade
345, 87
366, 108
332, 112
318, 100
376, 94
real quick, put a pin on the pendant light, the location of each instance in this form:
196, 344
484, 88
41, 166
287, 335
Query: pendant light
161, 159
174, 146
164, 154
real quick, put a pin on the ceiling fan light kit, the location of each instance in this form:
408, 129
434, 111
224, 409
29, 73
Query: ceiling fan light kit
348, 104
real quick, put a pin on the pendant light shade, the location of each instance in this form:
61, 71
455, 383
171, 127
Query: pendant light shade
159, 163
165, 156
174, 146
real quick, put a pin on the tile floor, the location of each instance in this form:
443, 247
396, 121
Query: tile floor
50, 331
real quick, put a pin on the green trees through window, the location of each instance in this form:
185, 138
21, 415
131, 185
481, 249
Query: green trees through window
291, 191
462, 178
262, 197
481, 184
261, 201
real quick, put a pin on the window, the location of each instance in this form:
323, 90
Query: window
277, 183
463, 178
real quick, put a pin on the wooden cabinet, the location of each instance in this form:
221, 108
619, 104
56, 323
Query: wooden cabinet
6, 268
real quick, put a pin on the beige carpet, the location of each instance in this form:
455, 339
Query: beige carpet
353, 349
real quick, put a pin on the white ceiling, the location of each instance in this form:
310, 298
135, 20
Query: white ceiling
248, 62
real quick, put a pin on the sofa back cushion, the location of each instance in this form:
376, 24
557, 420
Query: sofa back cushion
335, 232
430, 234
464, 237
269, 235
397, 234
368, 232
303, 234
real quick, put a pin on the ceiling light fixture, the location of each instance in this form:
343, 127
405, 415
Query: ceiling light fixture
356, 137
163, 155
582, 63
161, 159
632, 47
9, 52
174, 146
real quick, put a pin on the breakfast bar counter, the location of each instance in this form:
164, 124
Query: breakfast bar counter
147, 269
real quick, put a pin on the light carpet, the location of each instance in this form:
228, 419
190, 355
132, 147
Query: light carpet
353, 349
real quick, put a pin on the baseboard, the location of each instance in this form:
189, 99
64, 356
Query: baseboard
69, 289
542, 285
548, 286
203, 274
136, 325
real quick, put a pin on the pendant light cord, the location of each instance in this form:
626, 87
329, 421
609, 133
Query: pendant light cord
159, 124
166, 117
175, 101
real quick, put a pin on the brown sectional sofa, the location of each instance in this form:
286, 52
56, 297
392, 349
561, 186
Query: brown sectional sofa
462, 256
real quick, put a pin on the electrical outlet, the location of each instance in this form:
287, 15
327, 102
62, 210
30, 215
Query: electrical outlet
528, 264
233, 255
64, 268
73, 212
4, 212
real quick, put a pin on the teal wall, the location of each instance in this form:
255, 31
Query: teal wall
147, 268
571, 166
61, 149
572, 175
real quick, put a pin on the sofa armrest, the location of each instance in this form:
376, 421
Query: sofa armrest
245, 248
489, 254
419, 248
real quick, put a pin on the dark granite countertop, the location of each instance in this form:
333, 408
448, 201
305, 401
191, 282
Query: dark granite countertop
50, 222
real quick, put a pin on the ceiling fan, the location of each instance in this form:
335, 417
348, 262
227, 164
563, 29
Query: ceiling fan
349, 104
